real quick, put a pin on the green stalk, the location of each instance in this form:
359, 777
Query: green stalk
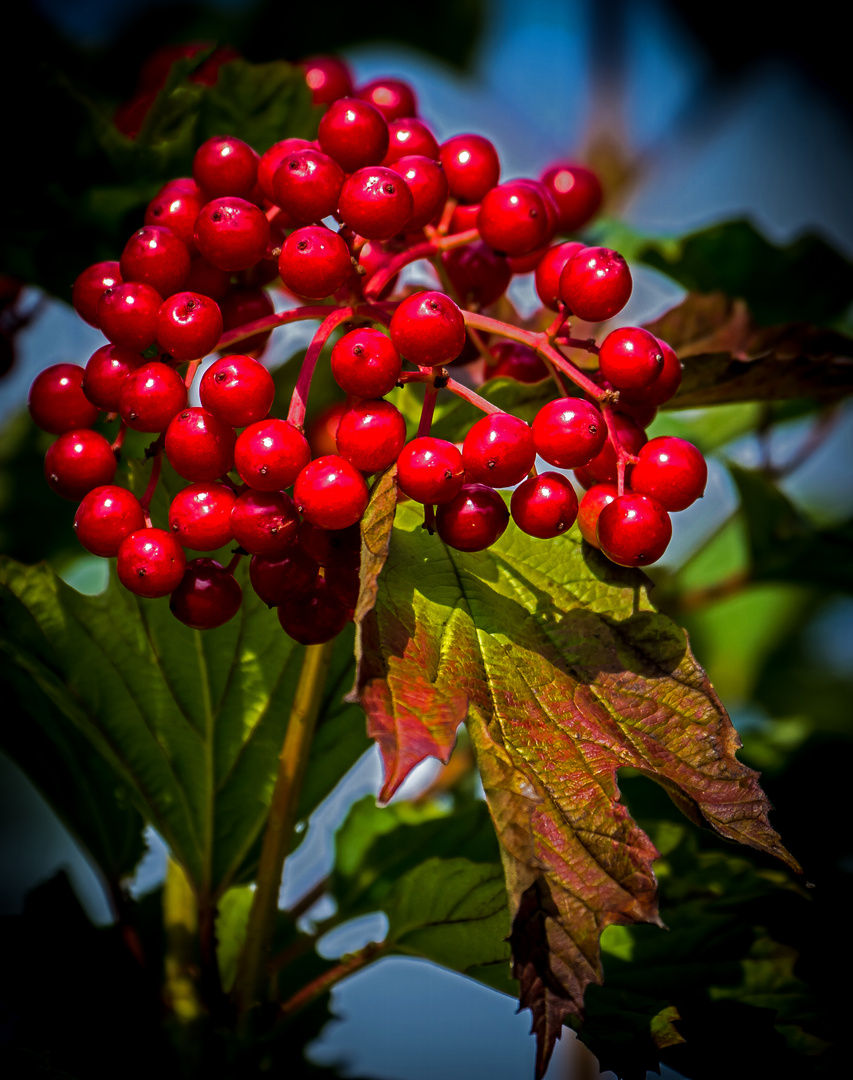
252, 978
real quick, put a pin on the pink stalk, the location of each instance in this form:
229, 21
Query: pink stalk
299, 400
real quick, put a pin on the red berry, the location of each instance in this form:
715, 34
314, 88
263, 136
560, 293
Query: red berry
392, 97
238, 390
516, 361
189, 325
314, 262
105, 372
464, 218
330, 493
272, 159
207, 279
633, 530
473, 519
155, 256
513, 218
577, 192
150, 397
630, 358
57, 402
177, 211
593, 502
428, 186
246, 304
328, 546
307, 185
199, 446
544, 506
477, 273
344, 581
151, 563
569, 432
90, 287
232, 233
200, 516
265, 522
278, 580
270, 454
670, 470
498, 451
428, 329
550, 268
365, 363
376, 202
78, 462
127, 315
595, 284
629, 435
354, 133
105, 517
408, 135
370, 435
323, 429
430, 470
328, 78
471, 165
207, 595
660, 389
225, 165
315, 617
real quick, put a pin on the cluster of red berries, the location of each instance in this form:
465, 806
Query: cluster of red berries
191, 281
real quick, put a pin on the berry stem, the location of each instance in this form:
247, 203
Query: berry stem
145, 501
446, 216
623, 458
118, 441
190, 375
556, 326
425, 250
468, 395
323, 983
587, 344
270, 322
299, 400
428, 407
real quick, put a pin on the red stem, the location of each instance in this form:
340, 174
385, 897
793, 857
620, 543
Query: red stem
270, 322
117, 442
623, 458
190, 375
299, 400
145, 501
425, 250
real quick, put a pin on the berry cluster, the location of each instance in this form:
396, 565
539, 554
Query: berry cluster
335, 221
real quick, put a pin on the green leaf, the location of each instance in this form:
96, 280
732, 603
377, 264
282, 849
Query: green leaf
231, 921
565, 673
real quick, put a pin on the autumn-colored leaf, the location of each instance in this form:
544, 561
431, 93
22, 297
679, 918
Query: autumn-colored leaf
565, 673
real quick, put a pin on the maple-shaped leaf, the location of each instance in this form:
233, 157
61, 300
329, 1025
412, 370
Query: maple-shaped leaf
565, 673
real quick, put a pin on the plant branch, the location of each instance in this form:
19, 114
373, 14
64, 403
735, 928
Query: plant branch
270, 322
330, 978
299, 400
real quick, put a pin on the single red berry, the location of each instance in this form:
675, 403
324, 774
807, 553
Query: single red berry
365, 363
643, 414
409, 135
105, 371
430, 470
57, 402
314, 262
569, 432
225, 165
526, 264
90, 287
370, 435
199, 446
371, 259
630, 436
78, 462
207, 279
238, 390
354, 133
177, 211
550, 268
428, 185
633, 530
200, 516
265, 522
328, 546
392, 97
151, 563
207, 596
330, 493
376, 202
323, 429
232, 233
595, 284
105, 517
307, 185
270, 454
498, 451
472, 166
576, 191
328, 78
344, 582
464, 218
473, 519
428, 329
593, 502
150, 397
315, 617
544, 506
189, 325
660, 389
513, 218
477, 272
672, 471
278, 580
155, 256
515, 361
630, 358
182, 185
272, 159
246, 304
127, 315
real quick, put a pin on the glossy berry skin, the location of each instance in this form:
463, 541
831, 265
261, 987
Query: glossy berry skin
200, 516
270, 454
323, 428
633, 530
631, 437
315, 617
307, 185
199, 446
365, 363
189, 325
428, 185
670, 470
549, 269
265, 523
78, 462
430, 470
105, 517
271, 161
232, 233
155, 256
370, 435
593, 502
428, 329
569, 432
90, 286
577, 192
513, 218
660, 389
595, 284
473, 519
408, 135
376, 202
314, 262
477, 273
56, 400
177, 211
471, 165
630, 358
392, 97
498, 451
245, 304
127, 315
151, 563
330, 492
225, 165
277, 580
151, 396
516, 361
237, 389
105, 372
544, 506
354, 133
328, 78
207, 595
